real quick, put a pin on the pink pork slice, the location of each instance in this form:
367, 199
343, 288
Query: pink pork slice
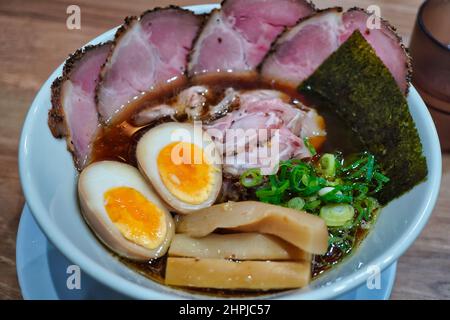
237, 37
73, 114
303, 48
148, 52
264, 109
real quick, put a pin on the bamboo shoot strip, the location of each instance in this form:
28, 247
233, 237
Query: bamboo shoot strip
227, 274
305, 231
239, 246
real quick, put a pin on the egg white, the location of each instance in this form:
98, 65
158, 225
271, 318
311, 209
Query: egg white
149, 147
98, 178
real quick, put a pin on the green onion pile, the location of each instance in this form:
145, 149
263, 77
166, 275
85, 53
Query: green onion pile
341, 191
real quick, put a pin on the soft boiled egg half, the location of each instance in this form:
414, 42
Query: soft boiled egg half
183, 165
123, 211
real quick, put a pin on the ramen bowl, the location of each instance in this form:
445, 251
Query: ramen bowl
49, 181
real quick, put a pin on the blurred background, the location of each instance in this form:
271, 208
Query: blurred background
35, 40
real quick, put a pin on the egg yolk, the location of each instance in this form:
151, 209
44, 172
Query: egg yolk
185, 172
138, 219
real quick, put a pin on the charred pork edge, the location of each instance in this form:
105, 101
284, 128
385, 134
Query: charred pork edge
208, 16
206, 20
391, 28
56, 116
173, 7
56, 112
285, 29
308, 2
276, 43
399, 39
128, 23
202, 17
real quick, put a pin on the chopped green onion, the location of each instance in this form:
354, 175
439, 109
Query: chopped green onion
273, 194
332, 197
327, 165
362, 213
370, 167
265, 193
334, 183
357, 174
296, 203
337, 215
310, 147
353, 165
381, 177
283, 187
362, 189
338, 193
312, 205
325, 190
251, 178
381, 180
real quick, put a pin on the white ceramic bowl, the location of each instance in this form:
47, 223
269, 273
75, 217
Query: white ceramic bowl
48, 180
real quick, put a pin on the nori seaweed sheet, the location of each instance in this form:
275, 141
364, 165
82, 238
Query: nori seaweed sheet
356, 84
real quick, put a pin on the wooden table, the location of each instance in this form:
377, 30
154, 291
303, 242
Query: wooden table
34, 41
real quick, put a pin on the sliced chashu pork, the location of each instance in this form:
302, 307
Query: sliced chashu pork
73, 114
147, 53
238, 36
249, 132
301, 50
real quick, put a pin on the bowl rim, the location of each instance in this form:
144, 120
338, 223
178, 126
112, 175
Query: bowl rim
120, 284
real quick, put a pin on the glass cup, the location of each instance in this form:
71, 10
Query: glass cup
430, 51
